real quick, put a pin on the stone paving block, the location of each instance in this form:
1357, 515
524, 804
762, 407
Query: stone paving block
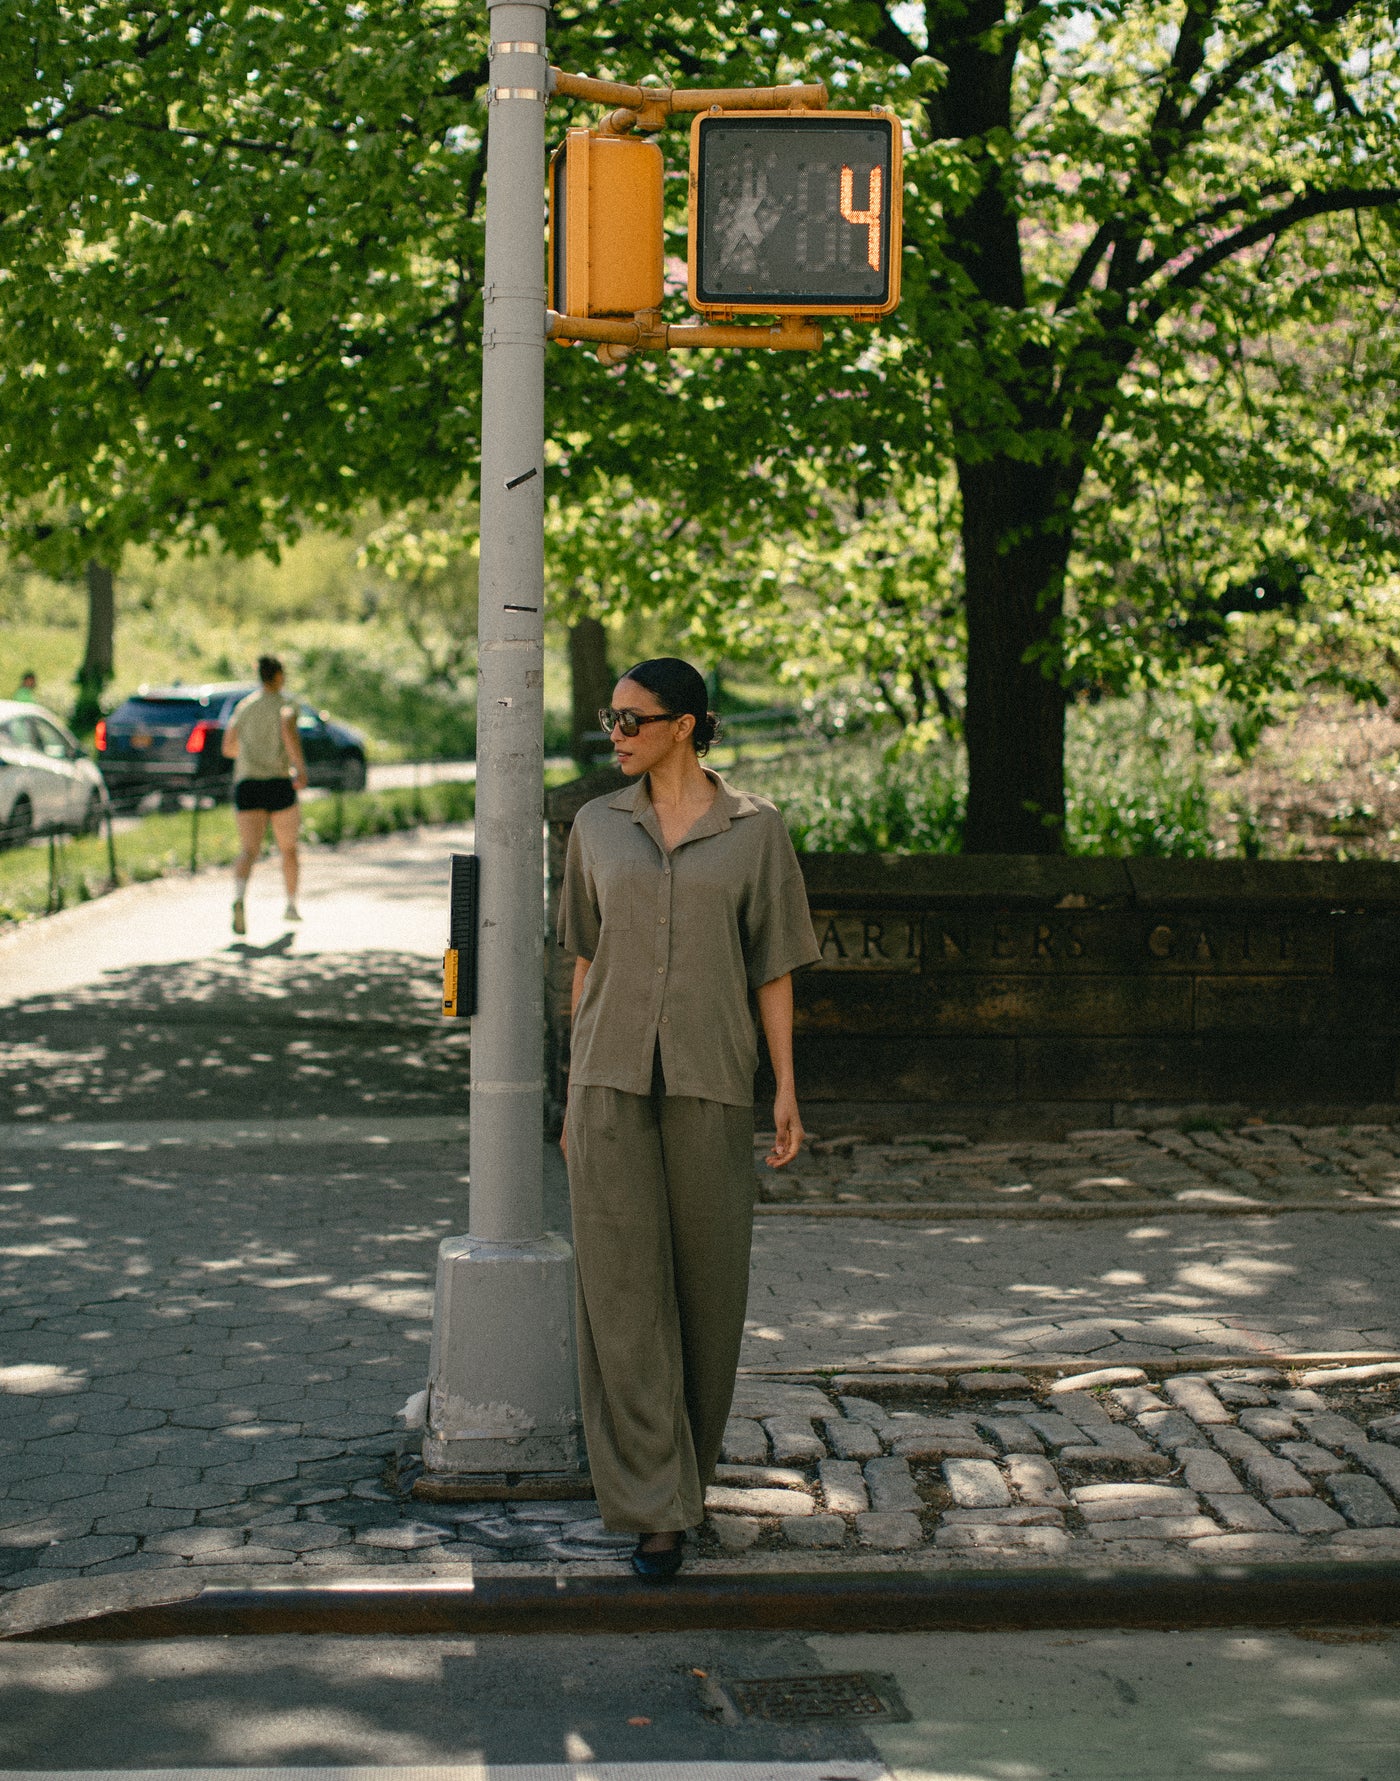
1155, 1527
1298, 1398
1306, 1515
403, 1536
745, 1443
1271, 1476
1197, 1399
761, 1398
193, 1496
1087, 1411
1339, 1433
1012, 1434
815, 1530
889, 1530
1035, 1481
1246, 1545
1368, 1540
1206, 1471
1100, 1376
924, 1447
997, 1382
1362, 1500
735, 1533
1237, 1392
302, 1536
781, 1477
1135, 1399
1384, 1428
95, 1549
891, 1486
1055, 1430
246, 1555
852, 1440
863, 1410
1116, 1502
757, 1502
1172, 1430
976, 1484
1381, 1460
843, 1487
1018, 1515
794, 1443
1048, 1542
195, 1542
1242, 1514
1268, 1425
1311, 1460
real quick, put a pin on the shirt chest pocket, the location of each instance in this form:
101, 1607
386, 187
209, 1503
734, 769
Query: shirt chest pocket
622, 896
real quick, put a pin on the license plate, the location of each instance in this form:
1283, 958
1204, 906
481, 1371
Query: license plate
140, 739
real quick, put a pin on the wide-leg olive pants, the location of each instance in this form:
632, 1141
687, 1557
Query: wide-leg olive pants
662, 1188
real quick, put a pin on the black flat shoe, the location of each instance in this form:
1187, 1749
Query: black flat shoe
658, 1567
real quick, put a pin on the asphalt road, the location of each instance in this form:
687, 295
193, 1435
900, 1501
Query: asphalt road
977, 1707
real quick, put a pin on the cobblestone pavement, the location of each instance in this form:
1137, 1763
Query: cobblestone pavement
227, 1168
1256, 1165
204, 1341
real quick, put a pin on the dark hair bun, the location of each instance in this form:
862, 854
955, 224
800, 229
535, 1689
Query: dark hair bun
681, 689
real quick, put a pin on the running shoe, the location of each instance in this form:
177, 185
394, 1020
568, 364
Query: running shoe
240, 920
291, 913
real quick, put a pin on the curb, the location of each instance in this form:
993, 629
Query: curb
1359, 1594
916, 1212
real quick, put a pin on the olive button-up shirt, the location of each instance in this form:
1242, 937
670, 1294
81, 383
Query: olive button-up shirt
678, 942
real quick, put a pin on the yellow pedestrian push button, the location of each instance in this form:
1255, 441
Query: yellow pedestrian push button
459, 961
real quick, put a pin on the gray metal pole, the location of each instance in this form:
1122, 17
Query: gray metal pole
503, 1393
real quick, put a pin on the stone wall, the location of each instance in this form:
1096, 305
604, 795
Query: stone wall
1025, 994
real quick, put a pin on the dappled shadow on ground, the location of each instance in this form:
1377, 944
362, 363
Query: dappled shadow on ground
252, 1032
925, 1294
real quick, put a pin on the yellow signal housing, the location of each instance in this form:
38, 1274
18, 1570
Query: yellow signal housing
605, 225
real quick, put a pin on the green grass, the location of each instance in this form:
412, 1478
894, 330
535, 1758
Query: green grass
160, 846
1135, 785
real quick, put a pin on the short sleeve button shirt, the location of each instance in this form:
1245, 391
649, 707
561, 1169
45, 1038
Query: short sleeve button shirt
678, 942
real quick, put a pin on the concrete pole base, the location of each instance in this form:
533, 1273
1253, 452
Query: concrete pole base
502, 1384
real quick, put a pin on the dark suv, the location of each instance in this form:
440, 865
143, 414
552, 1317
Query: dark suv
168, 739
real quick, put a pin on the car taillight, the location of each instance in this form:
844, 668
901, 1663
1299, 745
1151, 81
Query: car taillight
198, 736
100, 737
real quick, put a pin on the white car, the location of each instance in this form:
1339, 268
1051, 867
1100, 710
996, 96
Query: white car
47, 783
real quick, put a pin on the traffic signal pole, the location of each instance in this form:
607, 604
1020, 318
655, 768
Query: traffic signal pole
503, 1390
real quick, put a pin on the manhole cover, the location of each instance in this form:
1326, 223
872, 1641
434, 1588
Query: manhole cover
858, 1695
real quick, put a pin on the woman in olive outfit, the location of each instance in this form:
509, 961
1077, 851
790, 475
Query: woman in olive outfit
685, 910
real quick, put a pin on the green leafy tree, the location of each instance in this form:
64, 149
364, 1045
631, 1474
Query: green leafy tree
241, 248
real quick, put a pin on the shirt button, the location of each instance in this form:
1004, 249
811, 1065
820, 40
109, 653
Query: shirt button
661, 970
661, 919
665, 1020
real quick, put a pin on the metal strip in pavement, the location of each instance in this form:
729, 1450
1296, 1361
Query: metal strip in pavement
835, 1769
1335, 1593
233, 1134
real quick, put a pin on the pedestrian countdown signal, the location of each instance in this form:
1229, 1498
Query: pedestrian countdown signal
795, 213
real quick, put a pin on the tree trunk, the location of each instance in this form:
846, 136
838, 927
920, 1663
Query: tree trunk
99, 657
592, 683
1015, 715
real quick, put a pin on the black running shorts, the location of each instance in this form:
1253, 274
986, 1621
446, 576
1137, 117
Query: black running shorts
264, 794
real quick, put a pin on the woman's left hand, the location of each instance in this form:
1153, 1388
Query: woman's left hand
787, 1123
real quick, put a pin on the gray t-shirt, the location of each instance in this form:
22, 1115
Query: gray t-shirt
262, 748
679, 942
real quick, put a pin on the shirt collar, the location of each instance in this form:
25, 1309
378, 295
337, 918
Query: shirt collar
729, 806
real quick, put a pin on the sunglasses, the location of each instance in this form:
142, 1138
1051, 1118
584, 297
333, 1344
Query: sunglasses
629, 722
